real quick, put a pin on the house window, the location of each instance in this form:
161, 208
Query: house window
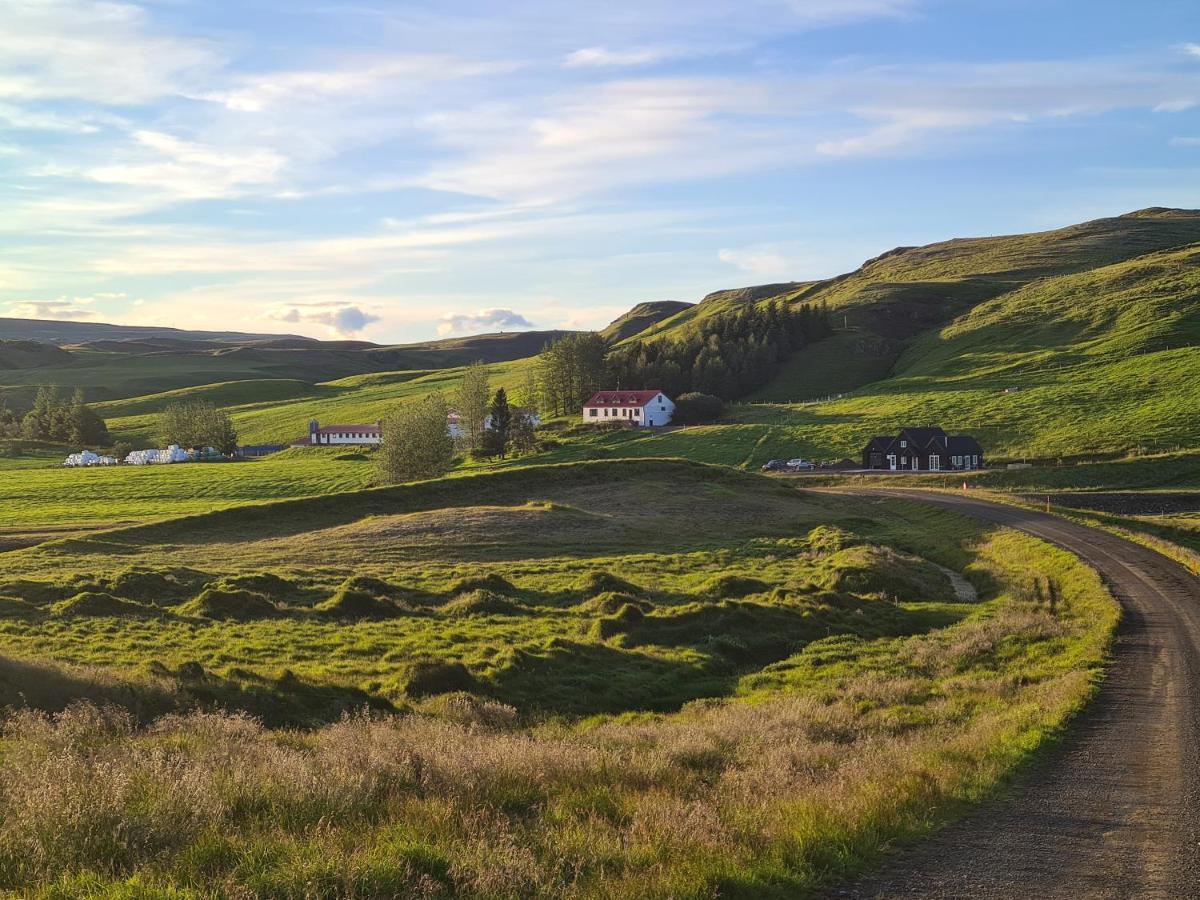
891, 460
593, 411
903, 444
935, 462
916, 463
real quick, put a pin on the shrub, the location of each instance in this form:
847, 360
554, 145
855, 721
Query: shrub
225, 603
696, 409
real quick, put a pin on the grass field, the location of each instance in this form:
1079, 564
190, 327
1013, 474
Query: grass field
616, 678
41, 495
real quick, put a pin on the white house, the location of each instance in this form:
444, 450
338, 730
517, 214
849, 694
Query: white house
639, 408
454, 421
341, 435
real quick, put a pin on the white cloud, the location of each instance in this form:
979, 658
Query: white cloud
1191, 49
97, 50
1174, 106
190, 170
1185, 142
341, 318
483, 321
602, 57
64, 308
761, 261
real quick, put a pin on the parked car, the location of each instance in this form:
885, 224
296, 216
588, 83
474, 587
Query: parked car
799, 464
775, 465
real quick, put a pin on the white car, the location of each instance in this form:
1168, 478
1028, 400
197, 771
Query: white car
799, 464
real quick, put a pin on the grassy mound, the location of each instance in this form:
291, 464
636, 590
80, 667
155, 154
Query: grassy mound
724, 586
481, 602
230, 604
829, 539
619, 622
428, 677
16, 608
870, 569
150, 585
595, 583
362, 598
492, 582
268, 584
97, 603
37, 592
610, 602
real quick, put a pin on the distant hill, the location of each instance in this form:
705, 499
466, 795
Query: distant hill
59, 332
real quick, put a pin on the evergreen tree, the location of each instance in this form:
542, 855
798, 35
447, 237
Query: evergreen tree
496, 438
524, 437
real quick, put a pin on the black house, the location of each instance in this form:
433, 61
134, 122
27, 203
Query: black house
923, 450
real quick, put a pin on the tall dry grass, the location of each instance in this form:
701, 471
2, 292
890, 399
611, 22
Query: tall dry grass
801, 780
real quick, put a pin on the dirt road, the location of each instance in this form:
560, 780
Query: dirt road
1114, 812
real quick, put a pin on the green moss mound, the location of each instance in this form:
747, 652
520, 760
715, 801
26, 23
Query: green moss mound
610, 602
150, 585
481, 602
619, 622
37, 592
830, 539
98, 603
426, 678
16, 608
362, 598
270, 585
495, 583
870, 569
230, 604
595, 583
724, 586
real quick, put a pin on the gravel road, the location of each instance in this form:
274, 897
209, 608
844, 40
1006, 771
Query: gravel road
1114, 811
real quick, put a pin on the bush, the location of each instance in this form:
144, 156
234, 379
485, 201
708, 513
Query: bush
696, 409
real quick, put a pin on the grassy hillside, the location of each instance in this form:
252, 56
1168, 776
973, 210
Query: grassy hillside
643, 679
640, 318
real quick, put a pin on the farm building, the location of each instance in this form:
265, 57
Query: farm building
638, 408
456, 431
923, 450
340, 435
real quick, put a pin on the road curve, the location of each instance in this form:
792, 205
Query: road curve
1115, 810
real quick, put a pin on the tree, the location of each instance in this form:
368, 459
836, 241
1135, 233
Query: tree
472, 400
523, 437
54, 418
415, 443
528, 395
495, 439
570, 370
696, 408
197, 423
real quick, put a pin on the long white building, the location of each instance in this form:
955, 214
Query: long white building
341, 435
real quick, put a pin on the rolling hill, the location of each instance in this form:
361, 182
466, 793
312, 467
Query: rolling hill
1076, 342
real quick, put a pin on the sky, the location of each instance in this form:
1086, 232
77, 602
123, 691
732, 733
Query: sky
402, 171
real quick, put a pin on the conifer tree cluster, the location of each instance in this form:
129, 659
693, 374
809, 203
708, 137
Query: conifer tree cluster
727, 355
56, 417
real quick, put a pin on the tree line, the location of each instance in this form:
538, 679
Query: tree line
728, 355
56, 416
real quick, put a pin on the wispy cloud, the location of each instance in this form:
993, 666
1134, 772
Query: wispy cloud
602, 57
484, 320
758, 261
343, 319
63, 308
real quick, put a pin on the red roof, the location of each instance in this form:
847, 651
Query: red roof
622, 399
352, 429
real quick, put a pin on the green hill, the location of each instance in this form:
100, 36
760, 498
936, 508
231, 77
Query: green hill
642, 317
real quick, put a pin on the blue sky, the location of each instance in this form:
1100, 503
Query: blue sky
397, 171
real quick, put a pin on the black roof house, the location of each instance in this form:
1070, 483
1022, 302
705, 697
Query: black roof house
923, 450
